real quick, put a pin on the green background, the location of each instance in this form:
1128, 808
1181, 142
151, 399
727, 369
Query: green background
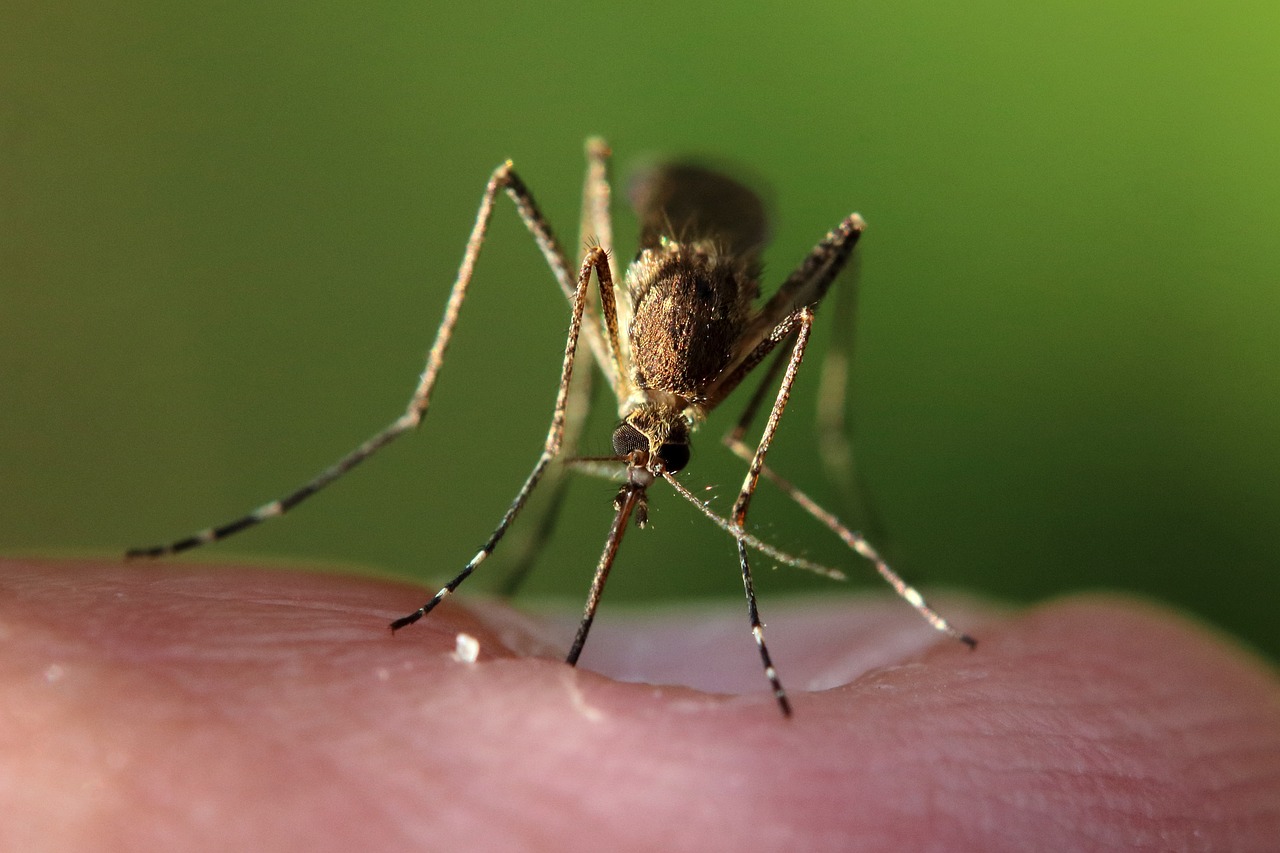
227, 231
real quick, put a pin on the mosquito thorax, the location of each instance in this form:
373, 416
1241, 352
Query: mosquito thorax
691, 303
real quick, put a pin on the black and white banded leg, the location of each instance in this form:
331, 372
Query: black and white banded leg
807, 286
504, 178
854, 540
597, 260
804, 319
595, 228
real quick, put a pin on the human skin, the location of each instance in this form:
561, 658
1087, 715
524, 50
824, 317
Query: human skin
147, 707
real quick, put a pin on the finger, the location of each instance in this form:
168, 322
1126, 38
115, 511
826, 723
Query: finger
263, 708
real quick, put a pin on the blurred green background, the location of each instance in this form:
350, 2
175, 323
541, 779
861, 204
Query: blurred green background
227, 231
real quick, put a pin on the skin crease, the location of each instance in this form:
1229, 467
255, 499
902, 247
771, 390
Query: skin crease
147, 707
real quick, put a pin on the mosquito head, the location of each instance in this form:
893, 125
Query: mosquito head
649, 438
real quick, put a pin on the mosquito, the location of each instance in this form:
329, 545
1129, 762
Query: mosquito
681, 333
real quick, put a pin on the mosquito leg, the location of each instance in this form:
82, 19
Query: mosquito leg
595, 228
806, 286
503, 178
851, 538
625, 502
833, 442
556, 481
751, 541
743, 503
757, 631
596, 224
606, 316
858, 543
809, 282
595, 260
757, 398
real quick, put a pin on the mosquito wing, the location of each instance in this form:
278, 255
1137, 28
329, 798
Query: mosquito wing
687, 203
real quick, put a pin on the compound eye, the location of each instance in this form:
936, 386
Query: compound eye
627, 438
674, 456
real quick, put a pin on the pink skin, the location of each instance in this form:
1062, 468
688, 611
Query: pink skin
171, 707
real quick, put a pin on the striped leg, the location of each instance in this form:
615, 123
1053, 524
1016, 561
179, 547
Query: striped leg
833, 389
595, 228
528, 544
627, 500
503, 178
851, 538
805, 320
859, 544
597, 259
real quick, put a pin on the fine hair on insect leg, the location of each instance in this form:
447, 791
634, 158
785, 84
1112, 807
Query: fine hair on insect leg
673, 341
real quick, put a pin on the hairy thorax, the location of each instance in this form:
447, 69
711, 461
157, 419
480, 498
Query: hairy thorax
690, 305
